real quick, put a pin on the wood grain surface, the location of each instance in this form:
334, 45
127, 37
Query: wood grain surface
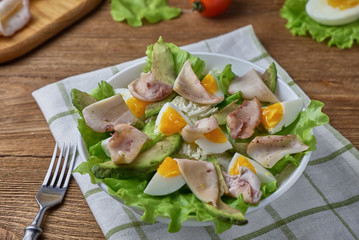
325, 73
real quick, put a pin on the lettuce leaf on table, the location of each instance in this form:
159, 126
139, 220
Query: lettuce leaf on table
299, 23
134, 11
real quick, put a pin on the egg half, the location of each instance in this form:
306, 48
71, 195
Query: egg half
281, 114
210, 83
170, 120
239, 160
137, 106
214, 142
166, 180
333, 12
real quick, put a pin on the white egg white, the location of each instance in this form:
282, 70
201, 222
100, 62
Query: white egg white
291, 109
322, 12
160, 185
163, 109
125, 93
212, 147
263, 174
104, 145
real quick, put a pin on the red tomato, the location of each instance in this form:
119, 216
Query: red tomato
210, 8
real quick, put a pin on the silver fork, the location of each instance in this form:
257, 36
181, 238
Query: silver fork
52, 193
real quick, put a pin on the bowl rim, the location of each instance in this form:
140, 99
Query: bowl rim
290, 180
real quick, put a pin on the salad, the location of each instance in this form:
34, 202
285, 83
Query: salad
188, 144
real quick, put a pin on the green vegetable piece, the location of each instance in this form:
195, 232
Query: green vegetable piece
226, 213
104, 90
80, 99
149, 130
180, 56
146, 162
270, 77
162, 63
154, 108
225, 78
134, 11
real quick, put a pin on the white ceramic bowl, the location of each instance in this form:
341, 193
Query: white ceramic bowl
239, 66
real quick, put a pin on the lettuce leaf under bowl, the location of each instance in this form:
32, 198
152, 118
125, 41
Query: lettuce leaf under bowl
299, 23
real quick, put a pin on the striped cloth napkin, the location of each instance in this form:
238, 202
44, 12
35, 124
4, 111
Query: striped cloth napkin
322, 204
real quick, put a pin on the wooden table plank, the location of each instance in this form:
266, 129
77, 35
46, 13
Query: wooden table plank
325, 73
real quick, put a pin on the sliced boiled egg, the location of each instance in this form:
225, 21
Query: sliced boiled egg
214, 142
166, 180
210, 83
333, 12
281, 114
137, 106
239, 160
170, 120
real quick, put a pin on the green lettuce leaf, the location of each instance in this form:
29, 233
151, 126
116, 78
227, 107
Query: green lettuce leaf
299, 23
104, 90
268, 188
225, 78
134, 11
229, 99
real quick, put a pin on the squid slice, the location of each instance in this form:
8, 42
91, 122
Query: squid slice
103, 115
268, 150
251, 85
126, 143
189, 86
201, 178
14, 15
246, 183
148, 89
245, 119
205, 125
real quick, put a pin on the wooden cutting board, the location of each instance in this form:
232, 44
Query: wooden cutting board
48, 17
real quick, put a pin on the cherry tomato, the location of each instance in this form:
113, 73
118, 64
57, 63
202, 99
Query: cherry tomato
210, 8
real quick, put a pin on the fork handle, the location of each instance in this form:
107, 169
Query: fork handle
32, 232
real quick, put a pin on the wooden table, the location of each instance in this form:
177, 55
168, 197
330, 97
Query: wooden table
325, 73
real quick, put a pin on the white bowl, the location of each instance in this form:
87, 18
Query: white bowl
240, 67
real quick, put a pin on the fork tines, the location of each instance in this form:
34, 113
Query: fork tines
61, 162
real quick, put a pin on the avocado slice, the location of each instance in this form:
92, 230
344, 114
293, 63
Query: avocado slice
226, 213
80, 99
154, 108
163, 63
146, 162
223, 211
270, 77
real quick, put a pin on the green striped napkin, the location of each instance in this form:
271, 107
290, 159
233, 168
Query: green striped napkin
322, 204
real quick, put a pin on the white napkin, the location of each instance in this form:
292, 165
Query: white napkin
322, 204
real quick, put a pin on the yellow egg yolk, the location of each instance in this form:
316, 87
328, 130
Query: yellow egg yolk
210, 84
137, 106
271, 115
241, 162
168, 168
216, 136
343, 4
171, 122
